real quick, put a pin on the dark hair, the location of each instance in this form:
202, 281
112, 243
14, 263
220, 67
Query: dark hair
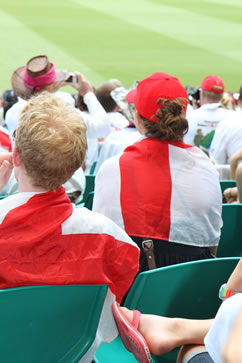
172, 124
9, 99
80, 103
103, 94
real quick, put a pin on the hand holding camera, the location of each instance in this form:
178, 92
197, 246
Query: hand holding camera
80, 83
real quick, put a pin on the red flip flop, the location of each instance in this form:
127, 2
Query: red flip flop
132, 339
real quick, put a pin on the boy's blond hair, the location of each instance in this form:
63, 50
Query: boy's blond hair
51, 140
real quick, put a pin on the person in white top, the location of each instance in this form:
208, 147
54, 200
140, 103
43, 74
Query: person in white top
103, 94
227, 139
116, 142
204, 120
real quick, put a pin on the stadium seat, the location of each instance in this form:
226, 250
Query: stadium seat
90, 185
47, 324
93, 167
188, 290
88, 203
230, 243
224, 184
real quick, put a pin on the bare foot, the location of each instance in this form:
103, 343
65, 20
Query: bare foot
159, 332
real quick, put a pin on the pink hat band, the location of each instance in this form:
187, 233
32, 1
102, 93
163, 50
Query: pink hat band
41, 81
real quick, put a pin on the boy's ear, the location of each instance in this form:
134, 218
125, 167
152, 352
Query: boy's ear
16, 157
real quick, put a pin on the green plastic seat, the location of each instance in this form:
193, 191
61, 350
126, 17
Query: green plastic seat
90, 185
93, 167
4, 196
88, 203
188, 290
224, 184
49, 324
230, 243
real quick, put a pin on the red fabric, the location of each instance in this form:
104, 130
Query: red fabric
151, 89
33, 250
146, 188
41, 81
5, 141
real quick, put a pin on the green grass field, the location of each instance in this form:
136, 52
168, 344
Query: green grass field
125, 39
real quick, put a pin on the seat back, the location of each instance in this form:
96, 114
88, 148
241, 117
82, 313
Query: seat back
230, 243
90, 185
188, 290
224, 184
89, 201
93, 167
51, 324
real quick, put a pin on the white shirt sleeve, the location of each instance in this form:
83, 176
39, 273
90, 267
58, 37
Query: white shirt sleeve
95, 120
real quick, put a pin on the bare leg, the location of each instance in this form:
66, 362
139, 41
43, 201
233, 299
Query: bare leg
164, 334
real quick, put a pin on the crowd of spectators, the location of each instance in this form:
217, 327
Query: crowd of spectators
160, 153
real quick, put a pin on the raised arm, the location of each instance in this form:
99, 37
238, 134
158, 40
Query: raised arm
238, 177
96, 121
235, 158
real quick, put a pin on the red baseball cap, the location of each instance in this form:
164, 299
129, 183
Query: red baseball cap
148, 91
213, 84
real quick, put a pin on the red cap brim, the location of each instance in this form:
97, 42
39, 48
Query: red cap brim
130, 97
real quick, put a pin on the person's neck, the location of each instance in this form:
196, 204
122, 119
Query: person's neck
25, 184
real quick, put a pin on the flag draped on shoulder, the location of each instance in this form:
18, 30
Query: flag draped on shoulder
44, 239
170, 191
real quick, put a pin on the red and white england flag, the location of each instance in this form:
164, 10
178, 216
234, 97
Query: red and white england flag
164, 190
44, 239
5, 140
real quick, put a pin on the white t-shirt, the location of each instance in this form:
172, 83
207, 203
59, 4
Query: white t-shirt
227, 139
116, 142
203, 122
221, 326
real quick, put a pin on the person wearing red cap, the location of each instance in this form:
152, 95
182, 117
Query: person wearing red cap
204, 120
164, 193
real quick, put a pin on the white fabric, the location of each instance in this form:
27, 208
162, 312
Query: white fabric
115, 143
221, 326
1, 116
195, 217
107, 191
98, 126
227, 139
196, 198
223, 170
206, 119
76, 183
116, 120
